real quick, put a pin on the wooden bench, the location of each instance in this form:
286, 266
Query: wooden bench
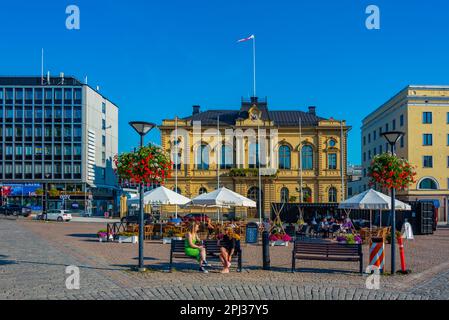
213, 250
177, 251
327, 252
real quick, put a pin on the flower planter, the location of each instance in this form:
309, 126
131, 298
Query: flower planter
103, 239
279, 243
132, 239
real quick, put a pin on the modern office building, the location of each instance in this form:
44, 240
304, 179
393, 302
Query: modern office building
304, 159
422, 113
355, 185
57, 140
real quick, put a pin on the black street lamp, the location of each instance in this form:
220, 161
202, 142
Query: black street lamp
142, 128
393, 137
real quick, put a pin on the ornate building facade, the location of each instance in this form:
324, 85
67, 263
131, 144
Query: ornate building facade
302, 157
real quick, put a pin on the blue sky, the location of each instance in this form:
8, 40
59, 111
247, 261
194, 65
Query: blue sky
156, 59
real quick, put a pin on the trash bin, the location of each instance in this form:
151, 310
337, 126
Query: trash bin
252, 232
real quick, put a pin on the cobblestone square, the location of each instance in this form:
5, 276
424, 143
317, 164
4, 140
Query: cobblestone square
34, 256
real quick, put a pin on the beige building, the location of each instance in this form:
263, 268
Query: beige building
302, 156
422, 113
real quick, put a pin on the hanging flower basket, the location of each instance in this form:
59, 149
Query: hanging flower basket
390, 171
148, 165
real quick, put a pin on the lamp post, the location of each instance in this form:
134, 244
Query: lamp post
142, 128
393, 137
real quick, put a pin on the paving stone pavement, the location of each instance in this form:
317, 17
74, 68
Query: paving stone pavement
33, 268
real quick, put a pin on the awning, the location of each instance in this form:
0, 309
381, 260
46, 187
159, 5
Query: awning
435, 202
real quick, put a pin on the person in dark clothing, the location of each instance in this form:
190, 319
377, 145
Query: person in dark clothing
228, 247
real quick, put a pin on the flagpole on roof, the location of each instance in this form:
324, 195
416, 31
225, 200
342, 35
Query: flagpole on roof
252, 37
254, 64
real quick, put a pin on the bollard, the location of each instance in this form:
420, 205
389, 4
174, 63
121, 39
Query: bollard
266, 250
402, 254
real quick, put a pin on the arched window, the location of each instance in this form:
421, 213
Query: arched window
307, 158
332, 194
202, 190
428, 184
202, 157
176, 158
284, 157
253, 155
306, 195
177, 190
227, 157
285, 195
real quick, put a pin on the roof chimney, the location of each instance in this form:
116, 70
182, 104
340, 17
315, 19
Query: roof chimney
312, 110
195, 110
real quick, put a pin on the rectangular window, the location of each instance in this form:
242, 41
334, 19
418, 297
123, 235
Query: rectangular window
19, 94
38, 132
332, 161
67, 94
369, 154
77, 95
427, 139
447, 139
58, 94
37, 169
374, 135
427, 161
386, 127
427, 117
28, 95
103, 124
48, 95
380, 149
447, 118
103, 107
369, 137
103, 141
375, 151
402, 142
38, 94
401, 120
394, 124
364, 156
364, 141
447, 161
38, 150
67, 150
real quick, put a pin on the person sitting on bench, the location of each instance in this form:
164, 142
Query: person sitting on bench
192, 247
227, 249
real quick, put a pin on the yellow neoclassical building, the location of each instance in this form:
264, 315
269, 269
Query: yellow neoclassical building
302, 157
422, 113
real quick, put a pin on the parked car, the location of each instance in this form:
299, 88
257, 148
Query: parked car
15, 210
56, 215
198, 217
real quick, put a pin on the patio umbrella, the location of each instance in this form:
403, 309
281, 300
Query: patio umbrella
372, 200
162, 196
221, 198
